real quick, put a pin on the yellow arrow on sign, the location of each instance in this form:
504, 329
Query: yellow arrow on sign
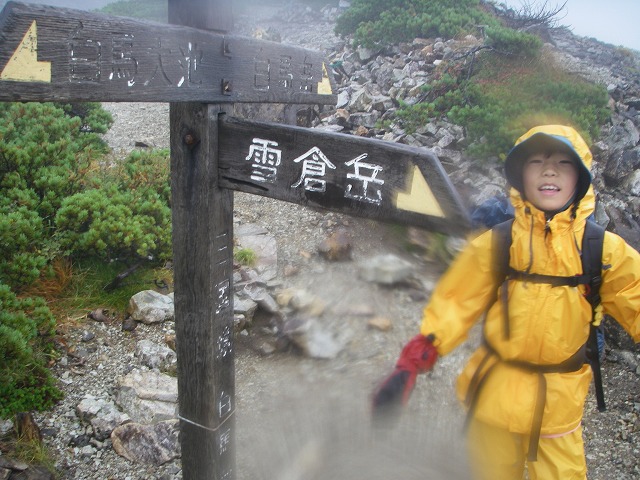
23, 66
324, 87
420, 198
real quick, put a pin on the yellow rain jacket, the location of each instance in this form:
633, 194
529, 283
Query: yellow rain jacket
547, 324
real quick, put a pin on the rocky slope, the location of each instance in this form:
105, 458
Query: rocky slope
304, 418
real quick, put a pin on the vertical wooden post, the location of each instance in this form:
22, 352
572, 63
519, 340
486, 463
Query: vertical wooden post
203, 270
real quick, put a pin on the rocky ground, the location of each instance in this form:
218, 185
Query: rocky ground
303, 418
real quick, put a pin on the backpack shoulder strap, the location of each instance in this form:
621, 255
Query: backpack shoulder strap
501, 257
592, 244
501, 246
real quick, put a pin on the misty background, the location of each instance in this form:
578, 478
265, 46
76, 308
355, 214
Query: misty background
610, 21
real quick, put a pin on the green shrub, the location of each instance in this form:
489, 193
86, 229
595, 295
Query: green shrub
245, 256
44, 156
26, 326
126, 215
506, 98
511, 42
374, 22
154, 10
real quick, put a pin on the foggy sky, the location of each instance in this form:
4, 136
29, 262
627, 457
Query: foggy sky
77, 4
610, 21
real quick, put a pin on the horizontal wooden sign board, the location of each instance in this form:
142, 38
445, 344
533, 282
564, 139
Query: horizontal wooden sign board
56, 54
344, 173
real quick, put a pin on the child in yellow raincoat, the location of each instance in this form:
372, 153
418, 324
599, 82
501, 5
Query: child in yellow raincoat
523, 388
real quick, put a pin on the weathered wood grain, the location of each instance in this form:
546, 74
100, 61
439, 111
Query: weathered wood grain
97, 57
203, 275
318, 169
203, 269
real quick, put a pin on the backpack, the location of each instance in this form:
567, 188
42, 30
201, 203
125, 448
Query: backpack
591, 277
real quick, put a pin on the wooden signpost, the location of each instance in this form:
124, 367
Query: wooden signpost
52, 54
354, 175
56, 54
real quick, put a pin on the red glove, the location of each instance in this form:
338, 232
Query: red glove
417, 356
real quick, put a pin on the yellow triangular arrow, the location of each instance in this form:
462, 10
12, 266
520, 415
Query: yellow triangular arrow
420, 198
23, 66
324, 87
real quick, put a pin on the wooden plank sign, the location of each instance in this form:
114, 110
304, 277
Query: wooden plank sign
344, 173
56, 54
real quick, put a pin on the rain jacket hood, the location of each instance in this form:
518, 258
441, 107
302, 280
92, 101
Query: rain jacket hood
550, 138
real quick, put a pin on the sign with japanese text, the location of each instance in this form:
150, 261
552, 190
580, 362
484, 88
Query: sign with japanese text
345, 173
55, 54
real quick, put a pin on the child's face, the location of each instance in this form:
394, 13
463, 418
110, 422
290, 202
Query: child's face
550, 180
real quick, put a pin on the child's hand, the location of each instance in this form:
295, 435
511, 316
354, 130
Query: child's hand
417, 356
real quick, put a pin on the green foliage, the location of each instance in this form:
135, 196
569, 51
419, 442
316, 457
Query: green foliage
126, 213
89, 285
94, 118
375, 22
58, 196
26, 326
58, 199
155, 10
245, 256
506, 98
33, 452
511, 42
44, 155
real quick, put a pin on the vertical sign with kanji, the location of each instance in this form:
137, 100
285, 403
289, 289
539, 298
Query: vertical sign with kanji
203, 269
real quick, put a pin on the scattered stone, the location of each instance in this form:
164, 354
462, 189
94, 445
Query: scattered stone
386, 270
150, 306
257, 239
129, 324
87, 336
261, 297
102, 415
148, 444
170, 340
302, 301
5, 427
628, 358
380, 323
148, 397
12, 464
337, 247
315, 338
153, 355
99, 315
291, 270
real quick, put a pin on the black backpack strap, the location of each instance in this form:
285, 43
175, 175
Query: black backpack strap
592, 259
592, 266
501, 259
501, 244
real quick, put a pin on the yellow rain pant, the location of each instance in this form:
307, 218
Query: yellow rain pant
496, 454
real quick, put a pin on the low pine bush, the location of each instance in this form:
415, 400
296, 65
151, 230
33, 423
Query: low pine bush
383, 22
45, 154
26, 329
505, 98
125, 215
